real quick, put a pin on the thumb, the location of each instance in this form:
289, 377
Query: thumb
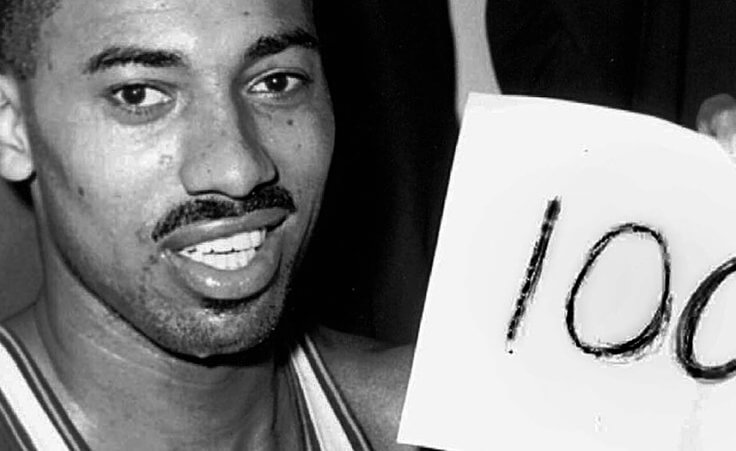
717, 118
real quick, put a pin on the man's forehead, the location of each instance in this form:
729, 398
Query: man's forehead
102, 17
88, 25
81, 11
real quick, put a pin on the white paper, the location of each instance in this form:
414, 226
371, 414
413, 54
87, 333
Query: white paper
607, 168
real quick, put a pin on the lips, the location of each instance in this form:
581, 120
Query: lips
231, 258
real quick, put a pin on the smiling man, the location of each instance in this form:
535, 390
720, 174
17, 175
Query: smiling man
176, 153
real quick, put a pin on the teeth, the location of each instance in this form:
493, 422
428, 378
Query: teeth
234, 252
239, 242
225, 262
222, 245
242, 241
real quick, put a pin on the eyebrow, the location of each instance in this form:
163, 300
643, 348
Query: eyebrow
123, 56
271, 45
133, 55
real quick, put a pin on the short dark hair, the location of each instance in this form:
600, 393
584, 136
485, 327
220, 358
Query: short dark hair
20, 26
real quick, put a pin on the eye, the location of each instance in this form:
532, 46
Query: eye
279, 84
139, 99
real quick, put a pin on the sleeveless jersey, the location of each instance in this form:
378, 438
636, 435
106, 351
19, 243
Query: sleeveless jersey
31, 417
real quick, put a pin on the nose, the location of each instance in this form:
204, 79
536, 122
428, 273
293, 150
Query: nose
224, 154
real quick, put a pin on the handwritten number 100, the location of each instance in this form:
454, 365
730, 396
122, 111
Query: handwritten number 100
632, 348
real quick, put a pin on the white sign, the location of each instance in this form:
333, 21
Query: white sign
581, 296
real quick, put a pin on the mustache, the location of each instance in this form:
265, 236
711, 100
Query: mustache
194, 210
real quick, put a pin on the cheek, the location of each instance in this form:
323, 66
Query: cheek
78, 192
102, 175
94, 212
302, 146
77, 150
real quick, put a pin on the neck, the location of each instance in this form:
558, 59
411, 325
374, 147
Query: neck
117, 385
123, 391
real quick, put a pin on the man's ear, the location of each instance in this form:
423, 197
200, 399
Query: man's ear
15, 156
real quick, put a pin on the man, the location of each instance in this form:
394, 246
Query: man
176, 153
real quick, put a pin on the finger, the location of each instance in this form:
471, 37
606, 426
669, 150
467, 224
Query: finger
711, 120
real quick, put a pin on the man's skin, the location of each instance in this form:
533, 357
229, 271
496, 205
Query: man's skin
138, 108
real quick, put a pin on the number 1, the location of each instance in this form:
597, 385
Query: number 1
534, 270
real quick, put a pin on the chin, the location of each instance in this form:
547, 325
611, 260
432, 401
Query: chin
217, 327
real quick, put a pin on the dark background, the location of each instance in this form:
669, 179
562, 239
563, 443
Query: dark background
661, 57
390, 66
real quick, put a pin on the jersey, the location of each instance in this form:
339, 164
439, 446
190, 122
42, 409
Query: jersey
32, 418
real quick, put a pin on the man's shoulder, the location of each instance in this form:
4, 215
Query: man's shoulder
356, 356
372, 376
23, 325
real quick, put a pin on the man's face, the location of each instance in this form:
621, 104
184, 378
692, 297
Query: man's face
181, 149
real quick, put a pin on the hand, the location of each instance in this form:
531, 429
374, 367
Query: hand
717, 118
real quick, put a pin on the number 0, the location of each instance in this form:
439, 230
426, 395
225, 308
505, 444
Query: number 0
689, 321
634, 346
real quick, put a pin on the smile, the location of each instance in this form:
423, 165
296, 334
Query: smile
228, 258
227, 254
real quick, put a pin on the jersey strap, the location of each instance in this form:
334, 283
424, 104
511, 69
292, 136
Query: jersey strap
29, 411
332, 423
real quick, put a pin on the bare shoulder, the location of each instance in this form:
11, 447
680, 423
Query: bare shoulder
373, 377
